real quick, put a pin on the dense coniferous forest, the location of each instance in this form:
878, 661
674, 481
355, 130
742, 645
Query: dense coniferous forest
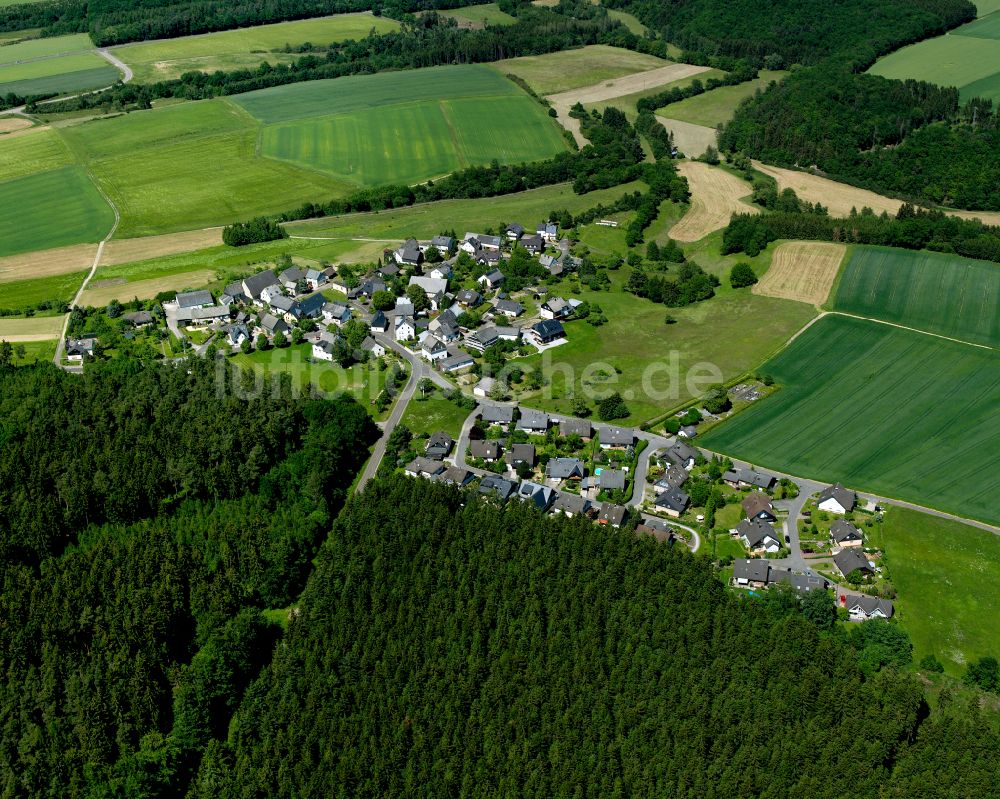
909, 139
448, 648
149, 514
779, 34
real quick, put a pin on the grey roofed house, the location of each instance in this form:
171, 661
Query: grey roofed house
493, 278
565, 469
497, 414
340, 313
424, 467
273, 325
485, 449
194, 299
533, 421
456, 361
521, 453
802, 583
842, 496
688, 431
443, 243
235, 291
612, 514
749, 477
489, 242
78, 347
388, 270
379, 323
372, 346
409, 253
548, 330
576, 427
557, 306
611, 480
757, 505
139, 318
861, 606
757, 533
850, 559
285, 305
456, 475
254, 285
538, 495
291, 276
209, 314
533, 244
468, 297
433, 286
514, 230
673, 477
438, 445
570, 504
312, 307
508, 333
237, 334
508, 308
483, 338
497, 486
616, 436
751, 571
673, 500
682, 454
843, 531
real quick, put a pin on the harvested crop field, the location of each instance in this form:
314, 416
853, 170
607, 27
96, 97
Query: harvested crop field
37, 328
881, 409
102, 293
123, 251
803, 271
58, 261
692, 140
570, 69
715, 196
839, 198
11, 124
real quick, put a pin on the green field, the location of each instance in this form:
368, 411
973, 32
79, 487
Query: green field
635, 336
433, 414
943, 294
718, 106
945, 573
479, 16
970, 63
987, 27
244, 47
59, 64
571, 69
899, 413
52, 208
40, 48
37, 151
23, 293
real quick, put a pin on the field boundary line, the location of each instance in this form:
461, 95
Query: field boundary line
912, 330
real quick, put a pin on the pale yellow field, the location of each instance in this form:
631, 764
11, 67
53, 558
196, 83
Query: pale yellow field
690, 139
145, 289
45, 328
616, 87
10, 124
48, 263
124, 251
803, 271
715, 196
839, 198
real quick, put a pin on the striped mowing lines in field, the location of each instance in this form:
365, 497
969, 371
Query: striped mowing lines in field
892, 411
943, 294
53, 65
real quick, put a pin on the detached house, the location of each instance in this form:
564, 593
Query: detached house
845, 534
484, 449
836, 499
538, 495
863, 608
312, 307
672, 502
747, 478
514, 231
237, 334
533, 422
77, 348
468, 298
438, 446
682, 455
494, 415
492, 280
612, 514
757, 505
546, 332
555, 308
571, 505
194, 299
272, 325
404, 329
850, 559
533, 244
443, 244
751, 573
433, 349
576, 427
616, 437
496, 487
565, 469
508, 308
324, 348
549, 231
379, 323
409, 254
758, 536
253, 286
336, 313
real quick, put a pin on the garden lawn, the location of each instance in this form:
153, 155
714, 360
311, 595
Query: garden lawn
881, 409
433, 414
943, 294
51, 209
718, 106
715, 332
225, 50
571, 69
945, 575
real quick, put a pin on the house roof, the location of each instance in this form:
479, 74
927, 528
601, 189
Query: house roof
800, 582
369, 344
378, 320
570, 503
509, 333
549, 328
455, 475
468, 297
869, 605
612, 514
750, 477
494, 276
540, 496
751, 570
680, 453
847, 560
285, 304
502, 414
440, 439
611, 479
292, 275
190, 299
272, 324
433, 345
422, 465
138, 317
433, 286
443, 242
564, 468
456, 361
616, 436
673, 477
755, 531
533, 420
495, 484
312, 306
579, 427
485, 449
521, 452
508, 306
485, 336
410, 251
338, 310
257, 283
843, 530
757, 502
844, 496
515, 228
672, 498
234, 290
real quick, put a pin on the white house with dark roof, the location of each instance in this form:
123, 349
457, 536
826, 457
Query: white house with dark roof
672, 501
497, 414
836, 499
533, 422
508, 308
457, 361
536, 494
565, 469
616, 437
254, 285
492, 280
546, 332
864, 608
548, 231
845, 534
325, 346
194, 299
77, 348
433, 349
758, 536
555, 308
403, 329
851, 559
408, 254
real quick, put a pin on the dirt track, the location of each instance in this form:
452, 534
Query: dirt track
803, 271
839, 198
715, 196
618, 87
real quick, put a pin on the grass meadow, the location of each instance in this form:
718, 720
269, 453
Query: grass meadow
57, 208
571, 69
59, 64
943, 294
37, 151
718, 106
886, 410
945, 573
432, 414
23, 293
479, 16
244, 47
42, 48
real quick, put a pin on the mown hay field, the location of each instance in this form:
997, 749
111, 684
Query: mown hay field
57, 208
942, 294
718, 105
803, 271
571, 69
36, 328
715, 196
169, 58
36, 151
53, 66
43, 48
895, 412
